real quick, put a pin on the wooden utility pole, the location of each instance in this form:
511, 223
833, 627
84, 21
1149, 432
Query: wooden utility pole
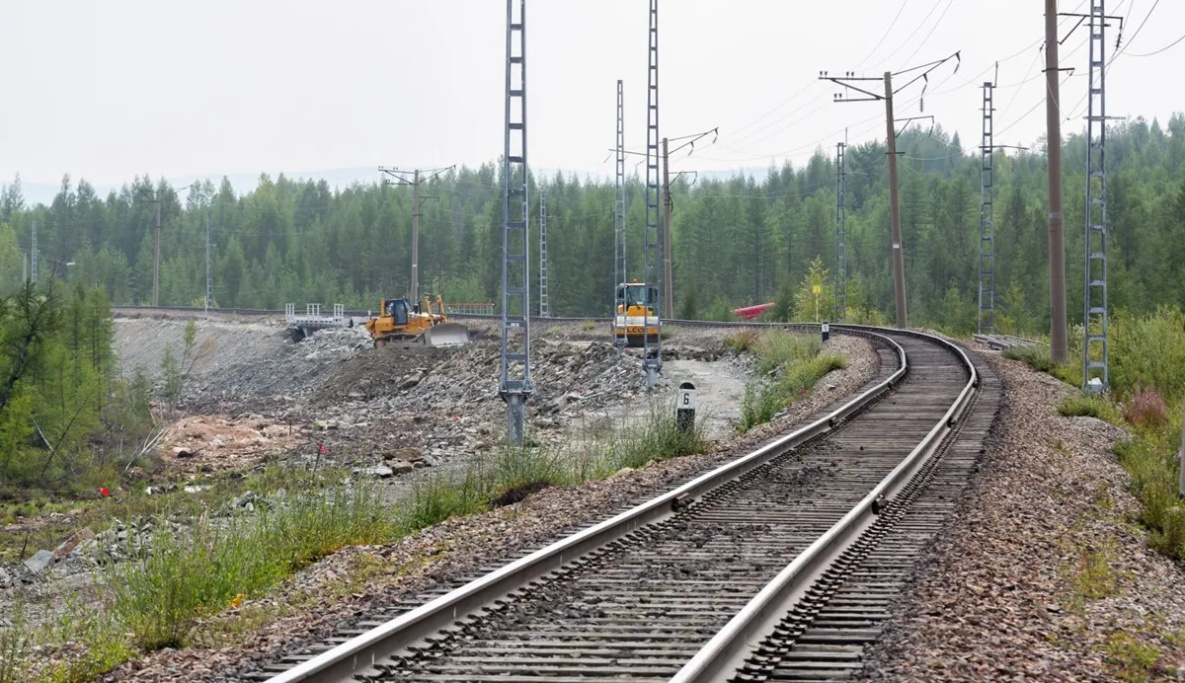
848, 81
397, 177
1058, 343
667, 278
895, 206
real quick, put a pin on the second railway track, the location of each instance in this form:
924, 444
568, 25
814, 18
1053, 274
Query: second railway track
659, 593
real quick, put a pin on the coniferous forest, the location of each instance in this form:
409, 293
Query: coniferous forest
737, 241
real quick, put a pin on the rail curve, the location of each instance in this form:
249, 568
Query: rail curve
678, 587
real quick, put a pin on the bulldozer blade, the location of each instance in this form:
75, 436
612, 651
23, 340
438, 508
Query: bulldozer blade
446, 334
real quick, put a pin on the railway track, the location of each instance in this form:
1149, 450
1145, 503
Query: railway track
798, 545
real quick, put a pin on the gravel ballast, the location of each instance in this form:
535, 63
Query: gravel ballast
1043, 575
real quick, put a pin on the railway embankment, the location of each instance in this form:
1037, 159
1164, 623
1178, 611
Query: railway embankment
1046, 573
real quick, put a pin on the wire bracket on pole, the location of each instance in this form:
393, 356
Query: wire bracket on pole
515, 367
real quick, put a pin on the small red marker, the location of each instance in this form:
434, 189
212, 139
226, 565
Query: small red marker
104, 492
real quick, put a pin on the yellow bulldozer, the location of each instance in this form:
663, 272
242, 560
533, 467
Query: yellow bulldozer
401, 323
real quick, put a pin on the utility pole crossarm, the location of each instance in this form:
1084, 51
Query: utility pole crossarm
418, 176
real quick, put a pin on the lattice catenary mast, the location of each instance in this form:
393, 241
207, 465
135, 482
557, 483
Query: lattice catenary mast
515, 367
986, 323
619, 265
841, 258
33, 256
209, 274
652, 353
1094, 317
544, 312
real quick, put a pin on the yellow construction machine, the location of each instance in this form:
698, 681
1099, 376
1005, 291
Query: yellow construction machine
401, 323
636, 319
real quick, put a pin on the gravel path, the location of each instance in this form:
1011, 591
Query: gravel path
1043, 575
316, 602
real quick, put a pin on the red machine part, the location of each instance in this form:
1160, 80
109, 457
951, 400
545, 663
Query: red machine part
750, 312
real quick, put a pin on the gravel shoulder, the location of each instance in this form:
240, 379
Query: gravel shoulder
1044, 574
350, 585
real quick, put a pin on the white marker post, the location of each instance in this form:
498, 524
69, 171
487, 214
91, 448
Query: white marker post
685, 407
826, 332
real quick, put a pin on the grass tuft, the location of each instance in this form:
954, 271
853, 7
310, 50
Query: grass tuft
798, 365
1089, 405
742, 341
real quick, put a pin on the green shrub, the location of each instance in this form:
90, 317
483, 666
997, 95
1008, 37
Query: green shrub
1149, 351
742, 341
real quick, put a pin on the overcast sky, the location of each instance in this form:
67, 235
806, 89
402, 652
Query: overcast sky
109, 90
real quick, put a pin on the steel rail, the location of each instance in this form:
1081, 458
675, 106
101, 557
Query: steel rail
721, 654
365, 650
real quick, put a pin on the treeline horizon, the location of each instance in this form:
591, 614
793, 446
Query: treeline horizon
736, 241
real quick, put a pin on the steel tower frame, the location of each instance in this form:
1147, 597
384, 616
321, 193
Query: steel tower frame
619, 253
841, 257
515, 367
1094, 314
544, 311
987, 243
652, 353
33, 255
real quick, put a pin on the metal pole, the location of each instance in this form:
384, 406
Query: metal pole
415, 237
667, 245
841, 267
619, 275
1094, 300
515, 368
652, 353
544, 310
1058, 345
156, 255
209, 277
987, 252
895, 206
33, 255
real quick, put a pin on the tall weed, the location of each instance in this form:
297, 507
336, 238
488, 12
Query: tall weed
14, 645
217, 562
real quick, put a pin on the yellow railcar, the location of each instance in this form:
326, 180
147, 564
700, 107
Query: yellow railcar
636, 316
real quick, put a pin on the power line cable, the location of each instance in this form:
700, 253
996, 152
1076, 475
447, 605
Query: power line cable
883, 37
1149, 54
